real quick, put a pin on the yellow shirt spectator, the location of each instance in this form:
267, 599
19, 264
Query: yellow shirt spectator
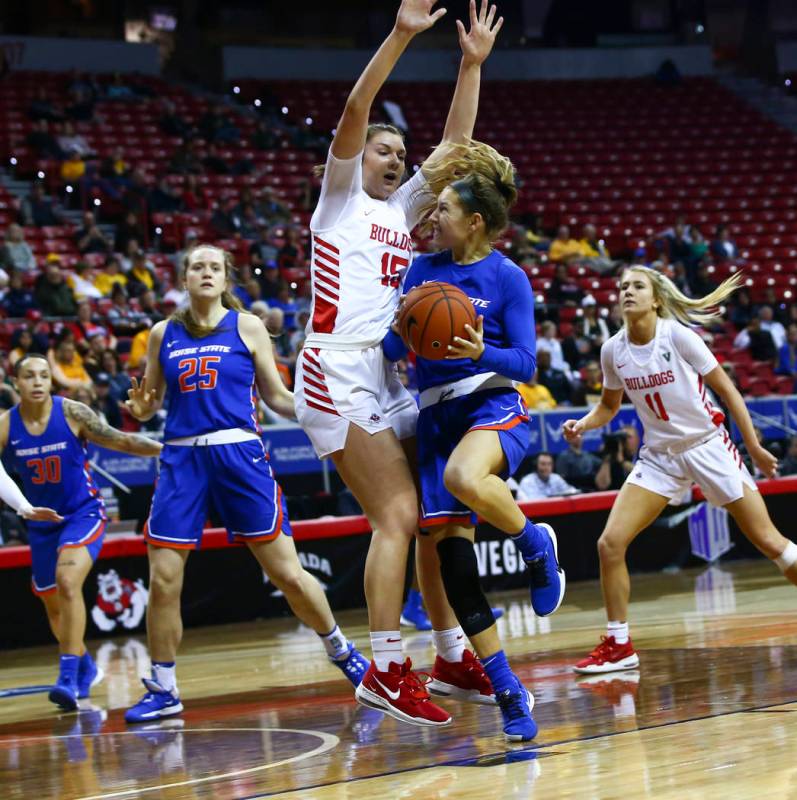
536, 395
138, 349
105, 282
73, 169
563, 248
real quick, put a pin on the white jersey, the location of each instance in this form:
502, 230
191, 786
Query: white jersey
664, 381
361, 250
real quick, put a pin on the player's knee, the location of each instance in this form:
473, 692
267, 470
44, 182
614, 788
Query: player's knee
68, 585
399, 519
462, 483
164, 584
289, 580
610, 548
460, 573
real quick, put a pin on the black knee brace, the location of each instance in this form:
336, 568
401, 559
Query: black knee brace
460, 572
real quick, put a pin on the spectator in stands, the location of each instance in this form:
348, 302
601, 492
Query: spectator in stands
564, 290
304, 137
594, 252
122, 319
137, 191
106, 404
164, 198
577, 466
73, 168
129, 228
189, 242
114, 170
119, 379
615, 319
309, 192
171, 123
265, 137
22, 343
16, 253
185, 160
239, 290
270, 282
110, 276
42, 107
702, 283
543, 482
770, 324
215, 125
723, 247
39, 210
8, 394
757, 340
555, 380
564, 248
549, 341
148, 303
137, 357
285, 302
304, 297
535, 235
193, 197
592, 325
214, 162
66, 364
699, 246
85, 327
618, 455
249, 223
225, 222
92, 357
71, 142
18, 300
292, 254
298, 336
787, 355
119, 89
536, 395
128, 255
53, 295
263, 252
42, 142
788, 465
588, 390
89, 238
678, 246
742, 310
82, 282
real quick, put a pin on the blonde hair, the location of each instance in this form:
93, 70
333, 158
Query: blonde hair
373, 129
674, 304
483, 179
183, 316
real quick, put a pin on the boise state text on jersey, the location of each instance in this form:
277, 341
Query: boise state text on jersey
210, 381
53, 466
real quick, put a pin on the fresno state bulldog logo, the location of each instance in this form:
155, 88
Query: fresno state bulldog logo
120, 602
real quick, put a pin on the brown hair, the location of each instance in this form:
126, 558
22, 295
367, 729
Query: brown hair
373, 129
483, 179
183, 316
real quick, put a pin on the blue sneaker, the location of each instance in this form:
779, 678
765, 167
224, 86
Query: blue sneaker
354, 666
64, 695
547, 578
414, 613
519, 725
89, 674
156, 704
497, 613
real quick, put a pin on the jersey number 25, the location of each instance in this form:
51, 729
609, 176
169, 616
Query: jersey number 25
197, 372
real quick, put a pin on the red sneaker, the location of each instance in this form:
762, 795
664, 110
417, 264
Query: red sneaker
400, 693
462, 680
608, 656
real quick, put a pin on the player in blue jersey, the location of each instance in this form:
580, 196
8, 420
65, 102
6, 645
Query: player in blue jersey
211, 359
46, 438
473, 431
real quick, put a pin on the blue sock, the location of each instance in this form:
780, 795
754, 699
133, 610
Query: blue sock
499, 672
531, 540
68, 666
86, 661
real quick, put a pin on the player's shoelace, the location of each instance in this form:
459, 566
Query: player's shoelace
512, 703
412, 680
475, 671
603, 649
538, 572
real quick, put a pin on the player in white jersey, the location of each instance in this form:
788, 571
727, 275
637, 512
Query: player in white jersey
348, 397
665, 367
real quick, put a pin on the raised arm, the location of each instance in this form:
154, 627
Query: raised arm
413, 17
145, 398
88, 425
269, 383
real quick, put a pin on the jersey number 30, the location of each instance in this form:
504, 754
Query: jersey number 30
45, 470
197, 372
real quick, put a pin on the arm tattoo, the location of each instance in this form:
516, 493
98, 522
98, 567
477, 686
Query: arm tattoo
99, 432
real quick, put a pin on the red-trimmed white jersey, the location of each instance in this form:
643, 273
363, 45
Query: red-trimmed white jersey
361, 249
667, 388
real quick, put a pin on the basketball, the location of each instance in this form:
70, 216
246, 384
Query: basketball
432, 315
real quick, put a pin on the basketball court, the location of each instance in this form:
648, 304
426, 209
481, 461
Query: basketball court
707, 715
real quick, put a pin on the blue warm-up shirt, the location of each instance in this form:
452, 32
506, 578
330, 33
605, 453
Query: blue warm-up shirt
502, 294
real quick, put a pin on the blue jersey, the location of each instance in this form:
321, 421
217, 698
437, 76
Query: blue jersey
54, 466
210, 381
501, 293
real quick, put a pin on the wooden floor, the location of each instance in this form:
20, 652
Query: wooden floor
708, 714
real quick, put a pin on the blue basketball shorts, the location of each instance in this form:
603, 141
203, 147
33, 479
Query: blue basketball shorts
46, 542
443, 425
236, 477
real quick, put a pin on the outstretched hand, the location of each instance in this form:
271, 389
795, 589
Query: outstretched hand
572, 430
41, 514
477, 43
415, 16
140, 401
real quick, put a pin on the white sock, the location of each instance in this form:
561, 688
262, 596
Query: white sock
619, 630
787, 558
450, 643
336, 644
164, 675
386, 647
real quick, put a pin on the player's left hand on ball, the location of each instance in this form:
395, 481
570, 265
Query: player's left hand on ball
394, 326
765, 461
477, 43
40, 514
473, 349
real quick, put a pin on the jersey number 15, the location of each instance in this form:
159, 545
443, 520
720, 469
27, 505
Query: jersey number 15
197, 373
391, 269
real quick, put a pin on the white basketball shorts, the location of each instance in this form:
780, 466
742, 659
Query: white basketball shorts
715, 466
337, 387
